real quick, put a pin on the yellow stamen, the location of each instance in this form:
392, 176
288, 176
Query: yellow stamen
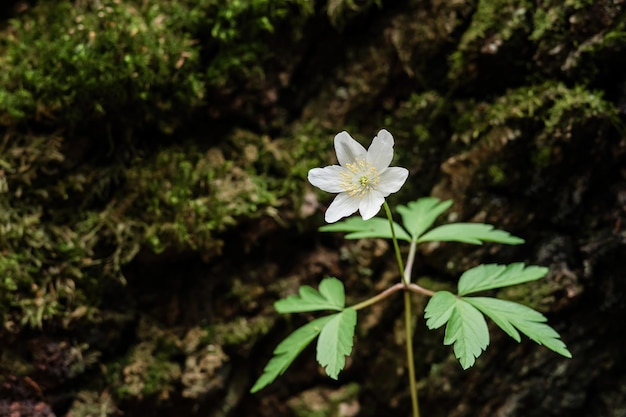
359, 178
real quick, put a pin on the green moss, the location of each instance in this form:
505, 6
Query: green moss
183, 196
149, 369
241, 331
147, 372
417, 115
203, 371
166, 358
494, 20
554, 105
552, 17
70, 63
497, 175
71, 215
133, 60
90, 403
39, 266
500, 17
60, 249
558, 37
240, 32
320, 402
540, 295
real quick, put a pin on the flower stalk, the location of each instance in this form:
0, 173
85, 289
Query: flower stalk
408, 317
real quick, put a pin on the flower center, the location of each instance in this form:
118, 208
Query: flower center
359, 178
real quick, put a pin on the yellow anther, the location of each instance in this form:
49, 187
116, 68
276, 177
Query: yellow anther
360, 178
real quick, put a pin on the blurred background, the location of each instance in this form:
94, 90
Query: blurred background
154, 202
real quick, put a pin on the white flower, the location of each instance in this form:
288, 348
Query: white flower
363, 178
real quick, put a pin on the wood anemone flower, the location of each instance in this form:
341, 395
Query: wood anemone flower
363, 178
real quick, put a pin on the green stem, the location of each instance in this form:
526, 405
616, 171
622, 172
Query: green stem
395, 288
407, 273
407, 316
406, 276
408, 328
393, 238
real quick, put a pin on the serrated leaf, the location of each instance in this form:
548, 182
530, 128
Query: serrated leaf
472, 233
466, 327
357, 228
335, 342
332, 289
417, 216
439, 309
490, 276
288, 350
510, 317
331, 296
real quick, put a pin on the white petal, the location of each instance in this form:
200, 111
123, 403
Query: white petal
342, 206
327, 179
348, 150
380, 152
392, 180
370, 204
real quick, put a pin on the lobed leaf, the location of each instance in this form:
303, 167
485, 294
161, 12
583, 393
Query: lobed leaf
335, 342
331, 296
417, 216
510, 317
376, 227
490, 276
288, 350
332, 290
439, 309
466, 327
472, 233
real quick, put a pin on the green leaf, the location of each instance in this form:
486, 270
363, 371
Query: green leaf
357, 228
288, 350
331, 296
490, 276
510, 317
417, 216
439, 309
468, 331
472, 233
466, 327
335, 342
332, 290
